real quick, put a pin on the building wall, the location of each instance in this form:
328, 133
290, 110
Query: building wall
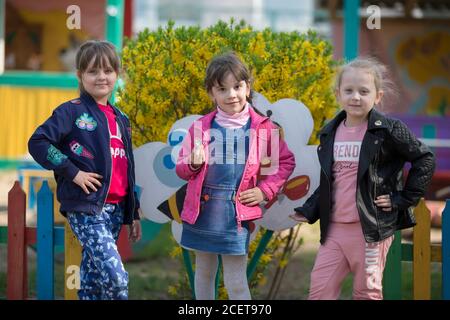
280, 15
22, 109
417, 53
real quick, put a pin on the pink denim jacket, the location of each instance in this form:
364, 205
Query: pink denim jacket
269, 179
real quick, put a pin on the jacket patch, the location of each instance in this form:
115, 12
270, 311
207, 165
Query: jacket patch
76, 101
86, 122
79, 150
55, 156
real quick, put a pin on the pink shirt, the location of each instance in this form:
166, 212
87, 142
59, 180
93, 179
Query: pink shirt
119, 179
347, 147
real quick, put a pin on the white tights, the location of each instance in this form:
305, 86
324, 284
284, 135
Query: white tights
234, 276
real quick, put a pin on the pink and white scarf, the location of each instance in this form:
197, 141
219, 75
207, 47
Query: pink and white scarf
233, 121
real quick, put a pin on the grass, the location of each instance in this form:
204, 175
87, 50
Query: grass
407, 283
152, 271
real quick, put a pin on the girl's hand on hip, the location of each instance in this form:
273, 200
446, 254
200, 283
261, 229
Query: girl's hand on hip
251, 197
384, 202
135, 231
87, 180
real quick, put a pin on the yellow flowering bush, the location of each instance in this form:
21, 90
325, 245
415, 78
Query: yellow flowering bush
164, 72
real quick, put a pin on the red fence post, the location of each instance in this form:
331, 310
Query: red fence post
124, 245
17, 280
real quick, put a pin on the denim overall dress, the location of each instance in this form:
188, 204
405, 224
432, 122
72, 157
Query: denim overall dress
216, 228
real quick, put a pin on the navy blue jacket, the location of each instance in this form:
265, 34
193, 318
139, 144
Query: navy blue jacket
76, 137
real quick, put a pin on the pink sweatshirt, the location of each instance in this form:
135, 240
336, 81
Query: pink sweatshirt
347, 147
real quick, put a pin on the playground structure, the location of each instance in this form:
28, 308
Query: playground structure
28, 97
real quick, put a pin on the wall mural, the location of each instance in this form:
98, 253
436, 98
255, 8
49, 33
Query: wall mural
424, 64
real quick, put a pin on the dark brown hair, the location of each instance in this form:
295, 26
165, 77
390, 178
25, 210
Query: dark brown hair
100, 50
222, 65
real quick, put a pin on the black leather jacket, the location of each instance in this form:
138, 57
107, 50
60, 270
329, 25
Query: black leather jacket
386, 146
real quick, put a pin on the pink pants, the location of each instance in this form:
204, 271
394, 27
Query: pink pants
344, 251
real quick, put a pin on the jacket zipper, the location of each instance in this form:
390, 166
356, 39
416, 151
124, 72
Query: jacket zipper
110, 158
375, 164
131, 169
239, 221
329, 183
375, 177
329, 188
328, 179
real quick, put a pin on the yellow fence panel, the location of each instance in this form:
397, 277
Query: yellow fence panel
72, 260
422, 253
22, 109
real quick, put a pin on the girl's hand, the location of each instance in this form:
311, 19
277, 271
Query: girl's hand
251, 197
197, 155
135, 231
384, 202
87, 179
297, 216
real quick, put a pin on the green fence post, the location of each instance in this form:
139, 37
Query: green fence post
258, 253
351, 28
190, 271
392, 276
115, 10
219, 272
446, 251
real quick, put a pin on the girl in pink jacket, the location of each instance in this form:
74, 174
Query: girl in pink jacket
233, 158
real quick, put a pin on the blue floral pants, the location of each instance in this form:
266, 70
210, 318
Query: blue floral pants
102, 275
